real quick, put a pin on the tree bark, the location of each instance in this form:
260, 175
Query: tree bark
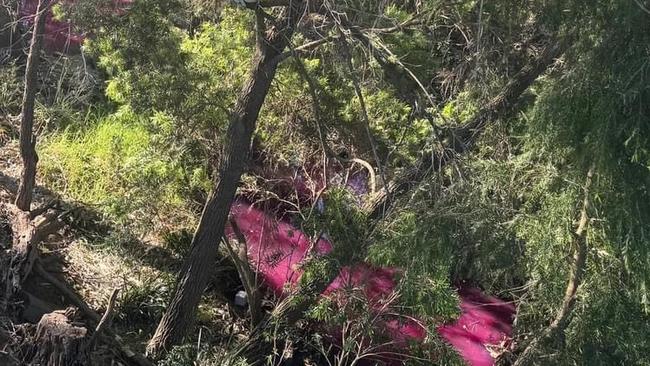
246, 273
562, 319
27, 139
196, 270
17, 262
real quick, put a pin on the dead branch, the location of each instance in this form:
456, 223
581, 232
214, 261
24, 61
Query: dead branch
371, 173
42, 209
303, 50
19, 260
364, 110
246, 273
106, 319
318, 112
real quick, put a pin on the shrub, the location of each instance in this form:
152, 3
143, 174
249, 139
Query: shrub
117, 166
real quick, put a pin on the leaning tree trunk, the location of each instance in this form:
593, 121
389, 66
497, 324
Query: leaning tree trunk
27, 139
196, 270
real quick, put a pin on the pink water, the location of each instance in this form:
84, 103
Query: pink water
276, 250
59, 35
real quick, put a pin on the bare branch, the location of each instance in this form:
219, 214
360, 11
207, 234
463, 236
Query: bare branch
105, 321
303, 49
246, 273
364, 111
133, 357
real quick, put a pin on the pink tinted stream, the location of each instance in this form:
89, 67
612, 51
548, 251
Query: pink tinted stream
276, 249
59, 35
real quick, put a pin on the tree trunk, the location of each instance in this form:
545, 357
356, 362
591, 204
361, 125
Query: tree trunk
27, 139
28, 230
196, 270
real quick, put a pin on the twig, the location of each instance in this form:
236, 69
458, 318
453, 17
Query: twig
106, 319
371, 172
364, 110
318, 112
42, 209
246, 274
303, 49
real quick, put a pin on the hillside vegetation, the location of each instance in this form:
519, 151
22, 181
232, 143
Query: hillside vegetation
386, 182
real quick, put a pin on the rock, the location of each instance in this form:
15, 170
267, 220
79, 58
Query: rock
241, 298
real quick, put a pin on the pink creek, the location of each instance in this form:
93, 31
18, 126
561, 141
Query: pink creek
276, 250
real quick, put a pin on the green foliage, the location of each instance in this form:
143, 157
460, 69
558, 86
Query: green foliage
342, 222
144, 303
180, 356
155, 67
595, 114
187, 354
501, 217
425, 283
10, 90
116, 165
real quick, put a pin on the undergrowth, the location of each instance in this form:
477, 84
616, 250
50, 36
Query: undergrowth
117, 166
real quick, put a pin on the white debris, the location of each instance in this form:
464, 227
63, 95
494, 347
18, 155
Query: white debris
241, 298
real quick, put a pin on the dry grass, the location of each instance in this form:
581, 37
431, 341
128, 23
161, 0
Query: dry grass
95, 273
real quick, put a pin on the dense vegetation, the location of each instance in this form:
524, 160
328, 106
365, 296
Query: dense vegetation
504, 145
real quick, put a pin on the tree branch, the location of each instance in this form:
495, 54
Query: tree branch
246, 273
106, 319
464, 138
364, 111
303, 49
562, 319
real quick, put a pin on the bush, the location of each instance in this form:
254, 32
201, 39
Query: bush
117, 165
143, 303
